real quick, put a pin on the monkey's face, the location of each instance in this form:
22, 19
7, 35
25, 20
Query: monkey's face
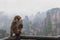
16, 20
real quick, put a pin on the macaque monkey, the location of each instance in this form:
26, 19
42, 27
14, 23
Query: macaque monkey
16, 26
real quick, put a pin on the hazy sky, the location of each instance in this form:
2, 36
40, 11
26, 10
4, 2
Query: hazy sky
28, 7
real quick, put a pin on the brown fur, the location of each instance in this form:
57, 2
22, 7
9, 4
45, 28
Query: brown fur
13, 26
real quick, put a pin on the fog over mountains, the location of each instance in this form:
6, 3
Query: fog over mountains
34, 24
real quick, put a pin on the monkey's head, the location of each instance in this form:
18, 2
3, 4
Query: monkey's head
17, 18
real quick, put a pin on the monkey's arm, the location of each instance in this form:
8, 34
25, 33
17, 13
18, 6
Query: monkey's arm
11, 29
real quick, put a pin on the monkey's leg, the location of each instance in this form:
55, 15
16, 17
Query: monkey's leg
11, 33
